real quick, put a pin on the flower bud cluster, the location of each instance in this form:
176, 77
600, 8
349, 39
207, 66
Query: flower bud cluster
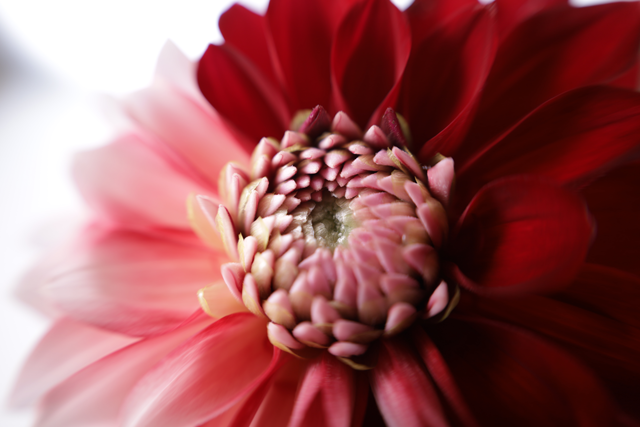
336, 234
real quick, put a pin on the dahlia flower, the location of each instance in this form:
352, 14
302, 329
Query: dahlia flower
349, 215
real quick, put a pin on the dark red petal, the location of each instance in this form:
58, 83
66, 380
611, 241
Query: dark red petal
205, 376
510, 13
423, 15
368, 57
570, 139
610, 346
302, 34
95, 395
326, 396
554, 51
614, 201
441, 375
511, 378
238, 91
403, 391
443, 78
247, 32
520, 234
607, 291
131, 283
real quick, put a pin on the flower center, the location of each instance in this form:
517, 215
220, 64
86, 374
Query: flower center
328, 223
337, 234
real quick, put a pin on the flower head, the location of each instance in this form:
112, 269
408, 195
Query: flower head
416, 218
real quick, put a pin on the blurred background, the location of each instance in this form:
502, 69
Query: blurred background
58, 60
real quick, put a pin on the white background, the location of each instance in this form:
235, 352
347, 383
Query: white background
56, 56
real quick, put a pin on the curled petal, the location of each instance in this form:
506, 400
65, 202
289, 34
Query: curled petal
520, 234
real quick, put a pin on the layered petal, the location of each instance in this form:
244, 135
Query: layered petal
510, 377
95, 395
609, 344
247, 32
239, 92
444, 75
520, 234
68, 347
510, 13
404, 393
134, 182
327, 394
368, 57
614, 201
424, 15
205, 376
277, 403
302, 34
571, 139
554, 51
607, 291
129, 282
193, 131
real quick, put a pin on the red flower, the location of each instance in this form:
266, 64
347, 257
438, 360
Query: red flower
507, 300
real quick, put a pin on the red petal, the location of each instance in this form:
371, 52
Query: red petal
130, 283
68, 347
554, 51
239, 92
441, 375
443, 78
511, 378
610, 292
94, 395
246, 31
303, 33
368, 57
574, 137
205, 376
520, 234
134, 182
277, 405
403, 391
614, 201
610, 346
188, 128
326, 396
426, 14
510, 13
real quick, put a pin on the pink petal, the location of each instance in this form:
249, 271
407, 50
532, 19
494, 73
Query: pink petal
326, 396
67, 348
94, 395
132, 182
205, 376
131, 283
188, 127
403, 391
